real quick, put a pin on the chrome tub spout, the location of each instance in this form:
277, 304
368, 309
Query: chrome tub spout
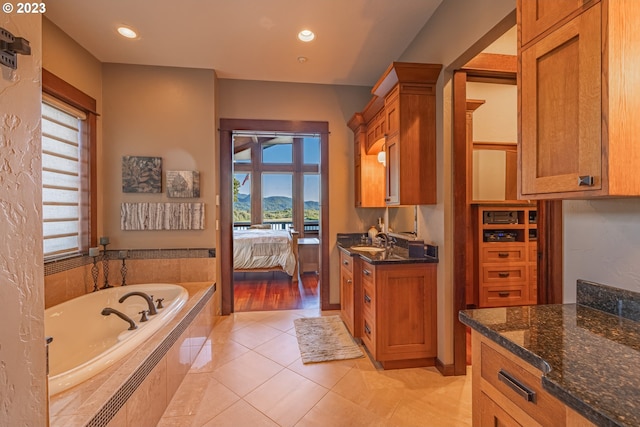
147, 297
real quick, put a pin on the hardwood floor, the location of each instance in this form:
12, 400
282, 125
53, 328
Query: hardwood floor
274, 291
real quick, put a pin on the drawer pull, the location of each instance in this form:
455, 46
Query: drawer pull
367, 299
503, 274
503, 254
367, 330
349, 281
345, 262
503, 294
517, 386
585, 181
366, 272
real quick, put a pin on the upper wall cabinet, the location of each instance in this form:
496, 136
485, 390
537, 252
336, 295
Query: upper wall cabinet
578, 100
403, 108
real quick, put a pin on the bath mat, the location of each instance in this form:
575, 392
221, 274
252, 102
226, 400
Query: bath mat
322, 339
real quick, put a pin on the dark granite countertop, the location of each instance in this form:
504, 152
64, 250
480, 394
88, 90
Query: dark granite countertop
590, 358
349, 243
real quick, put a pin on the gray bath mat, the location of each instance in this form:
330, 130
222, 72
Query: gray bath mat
321, 339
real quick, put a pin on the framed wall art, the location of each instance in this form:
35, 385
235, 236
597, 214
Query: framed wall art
183, 184
141, 174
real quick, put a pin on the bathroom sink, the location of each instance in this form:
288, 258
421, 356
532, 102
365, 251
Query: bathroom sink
367, 248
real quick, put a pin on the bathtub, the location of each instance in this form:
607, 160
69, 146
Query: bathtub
85, 342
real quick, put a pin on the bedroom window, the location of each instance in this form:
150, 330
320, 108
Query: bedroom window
284, 191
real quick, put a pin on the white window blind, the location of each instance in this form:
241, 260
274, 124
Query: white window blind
61, 177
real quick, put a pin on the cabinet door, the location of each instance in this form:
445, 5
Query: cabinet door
357, 168
537, 16
491, 414
561, 110
392, 153
346, 299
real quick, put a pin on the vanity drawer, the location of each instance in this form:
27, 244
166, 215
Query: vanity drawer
503, 253
368, 298
504, 295
369, 333
346, 262
520, 383
495, 274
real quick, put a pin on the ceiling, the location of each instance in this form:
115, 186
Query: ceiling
356, 40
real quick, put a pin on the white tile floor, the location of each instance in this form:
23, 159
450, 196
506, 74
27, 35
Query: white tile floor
250, 374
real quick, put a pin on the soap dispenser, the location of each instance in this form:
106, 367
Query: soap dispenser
373, 232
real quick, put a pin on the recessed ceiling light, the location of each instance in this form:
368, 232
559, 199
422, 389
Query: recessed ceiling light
306, 35
302, 59
127, 32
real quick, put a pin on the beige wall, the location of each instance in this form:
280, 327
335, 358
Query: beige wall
451, 37
161, 112
23, 395
293, 101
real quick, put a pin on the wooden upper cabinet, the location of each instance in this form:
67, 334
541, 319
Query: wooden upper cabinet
578, 106
401, 120
369, 189
538, 16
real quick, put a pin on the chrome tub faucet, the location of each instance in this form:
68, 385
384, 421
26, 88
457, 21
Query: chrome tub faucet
148, 298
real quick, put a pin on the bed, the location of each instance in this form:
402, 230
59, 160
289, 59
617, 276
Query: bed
260, 249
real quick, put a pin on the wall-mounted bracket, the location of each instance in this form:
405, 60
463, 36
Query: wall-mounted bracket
10, 46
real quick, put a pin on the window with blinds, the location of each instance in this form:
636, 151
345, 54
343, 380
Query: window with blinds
62, 178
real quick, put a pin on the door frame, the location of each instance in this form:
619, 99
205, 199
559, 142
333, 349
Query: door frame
493, 69
227, 127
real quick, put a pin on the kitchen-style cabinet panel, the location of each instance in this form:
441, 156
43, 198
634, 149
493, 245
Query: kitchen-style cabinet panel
349, 295
538, 16
579, 103
369, 191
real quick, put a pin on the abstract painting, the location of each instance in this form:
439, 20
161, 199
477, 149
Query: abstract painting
141, 174
183, 183
162, 216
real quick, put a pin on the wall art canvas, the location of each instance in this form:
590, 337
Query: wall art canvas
141, 174
162, 216
183, 183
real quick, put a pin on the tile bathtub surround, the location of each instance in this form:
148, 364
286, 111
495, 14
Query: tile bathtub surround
135, 391
611, 300
67, 284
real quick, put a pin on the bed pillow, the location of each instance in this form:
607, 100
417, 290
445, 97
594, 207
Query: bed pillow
260, 226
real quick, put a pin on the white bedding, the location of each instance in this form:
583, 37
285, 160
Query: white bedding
256, 248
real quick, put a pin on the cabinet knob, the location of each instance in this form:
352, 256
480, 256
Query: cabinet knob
585, 181
345, 262
349, 281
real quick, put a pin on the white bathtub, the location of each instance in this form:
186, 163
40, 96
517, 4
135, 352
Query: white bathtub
86, 342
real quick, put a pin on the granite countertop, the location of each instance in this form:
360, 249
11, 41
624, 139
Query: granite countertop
349, 243
590, 358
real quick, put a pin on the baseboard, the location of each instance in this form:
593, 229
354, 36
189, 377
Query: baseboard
445, 370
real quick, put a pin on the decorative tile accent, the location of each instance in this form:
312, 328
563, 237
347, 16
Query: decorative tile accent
162, 216
183, 183
58, 266
141, 174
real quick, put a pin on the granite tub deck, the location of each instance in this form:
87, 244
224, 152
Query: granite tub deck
590, 357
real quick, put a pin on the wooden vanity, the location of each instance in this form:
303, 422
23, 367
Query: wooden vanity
391, 306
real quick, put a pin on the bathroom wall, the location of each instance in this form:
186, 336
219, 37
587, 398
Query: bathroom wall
160, 112
23, 392
294, 101
458, 26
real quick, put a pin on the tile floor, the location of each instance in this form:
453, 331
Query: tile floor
250, 374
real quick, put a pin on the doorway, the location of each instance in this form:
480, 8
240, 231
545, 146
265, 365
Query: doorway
279, 130
502, 69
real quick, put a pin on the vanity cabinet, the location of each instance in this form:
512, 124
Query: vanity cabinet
399, 313
578, 99
506, 248
349, 294
400, 120
507, 391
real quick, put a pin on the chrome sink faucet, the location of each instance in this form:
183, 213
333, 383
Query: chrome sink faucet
148, 298
108, 310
